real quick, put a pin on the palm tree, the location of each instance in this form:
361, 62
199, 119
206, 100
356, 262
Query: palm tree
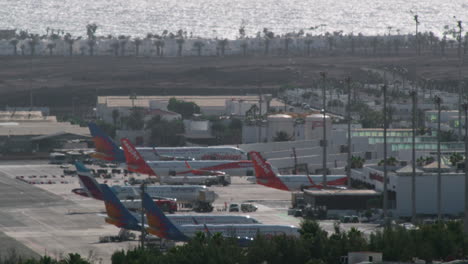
69, 40
281, 136
199, 45
180, 44
91, 44
455, 158
22, 47
91, 31
287, 41
115, 47
418, 48
459, 37
267, 45
50, 47
353, 43
115, 116
357, 162
14, 43
330, 41
244, 45
443, 44
308, 43
34, 40
375, 43
159, 45
123, 42
222, 45
138, 42
23, 35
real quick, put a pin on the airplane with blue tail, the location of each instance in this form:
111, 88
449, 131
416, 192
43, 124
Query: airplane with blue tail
120, 216
117, 214
106, 148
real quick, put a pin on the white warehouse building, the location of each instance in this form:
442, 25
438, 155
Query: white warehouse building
399, 186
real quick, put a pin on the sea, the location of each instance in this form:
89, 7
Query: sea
223, 18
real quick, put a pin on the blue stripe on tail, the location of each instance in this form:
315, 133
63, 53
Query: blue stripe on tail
89, 183
105, 145
159, 224
118, 214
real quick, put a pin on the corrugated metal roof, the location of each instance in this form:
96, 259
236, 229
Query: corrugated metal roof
205, 101
41, 128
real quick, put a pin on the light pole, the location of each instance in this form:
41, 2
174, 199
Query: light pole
438, 101
143, 231
324, 137
385, 195
133, 96
465, 223
348, 110
413, 161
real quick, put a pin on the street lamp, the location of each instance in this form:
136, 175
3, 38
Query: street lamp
324, 136
465, 223
385, 195
438, 101
348, 110
133, 96
413, 95
143, 231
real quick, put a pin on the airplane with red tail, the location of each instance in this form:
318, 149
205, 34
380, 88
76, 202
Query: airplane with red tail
136, 163
265, 175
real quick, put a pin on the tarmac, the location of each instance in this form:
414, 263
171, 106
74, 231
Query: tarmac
39, 211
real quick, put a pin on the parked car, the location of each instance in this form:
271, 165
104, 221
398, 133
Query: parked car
248, 207
234, 208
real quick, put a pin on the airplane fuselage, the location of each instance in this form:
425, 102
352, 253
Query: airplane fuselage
182, 193
180, 220
241, 230
172, 168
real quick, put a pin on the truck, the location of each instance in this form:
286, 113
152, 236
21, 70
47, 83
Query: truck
204, 201
166, 204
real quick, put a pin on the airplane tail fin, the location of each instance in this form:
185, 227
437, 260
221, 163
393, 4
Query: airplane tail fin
88, 182
106, 148
117, 214
159, 224
264, 173
135, 161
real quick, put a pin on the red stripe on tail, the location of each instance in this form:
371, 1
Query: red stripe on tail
135, 161
264, 173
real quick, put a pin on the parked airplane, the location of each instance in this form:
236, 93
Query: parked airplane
265, 175
137, 163
107, 149
163, 227
91, 188
121, 216
198, 196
